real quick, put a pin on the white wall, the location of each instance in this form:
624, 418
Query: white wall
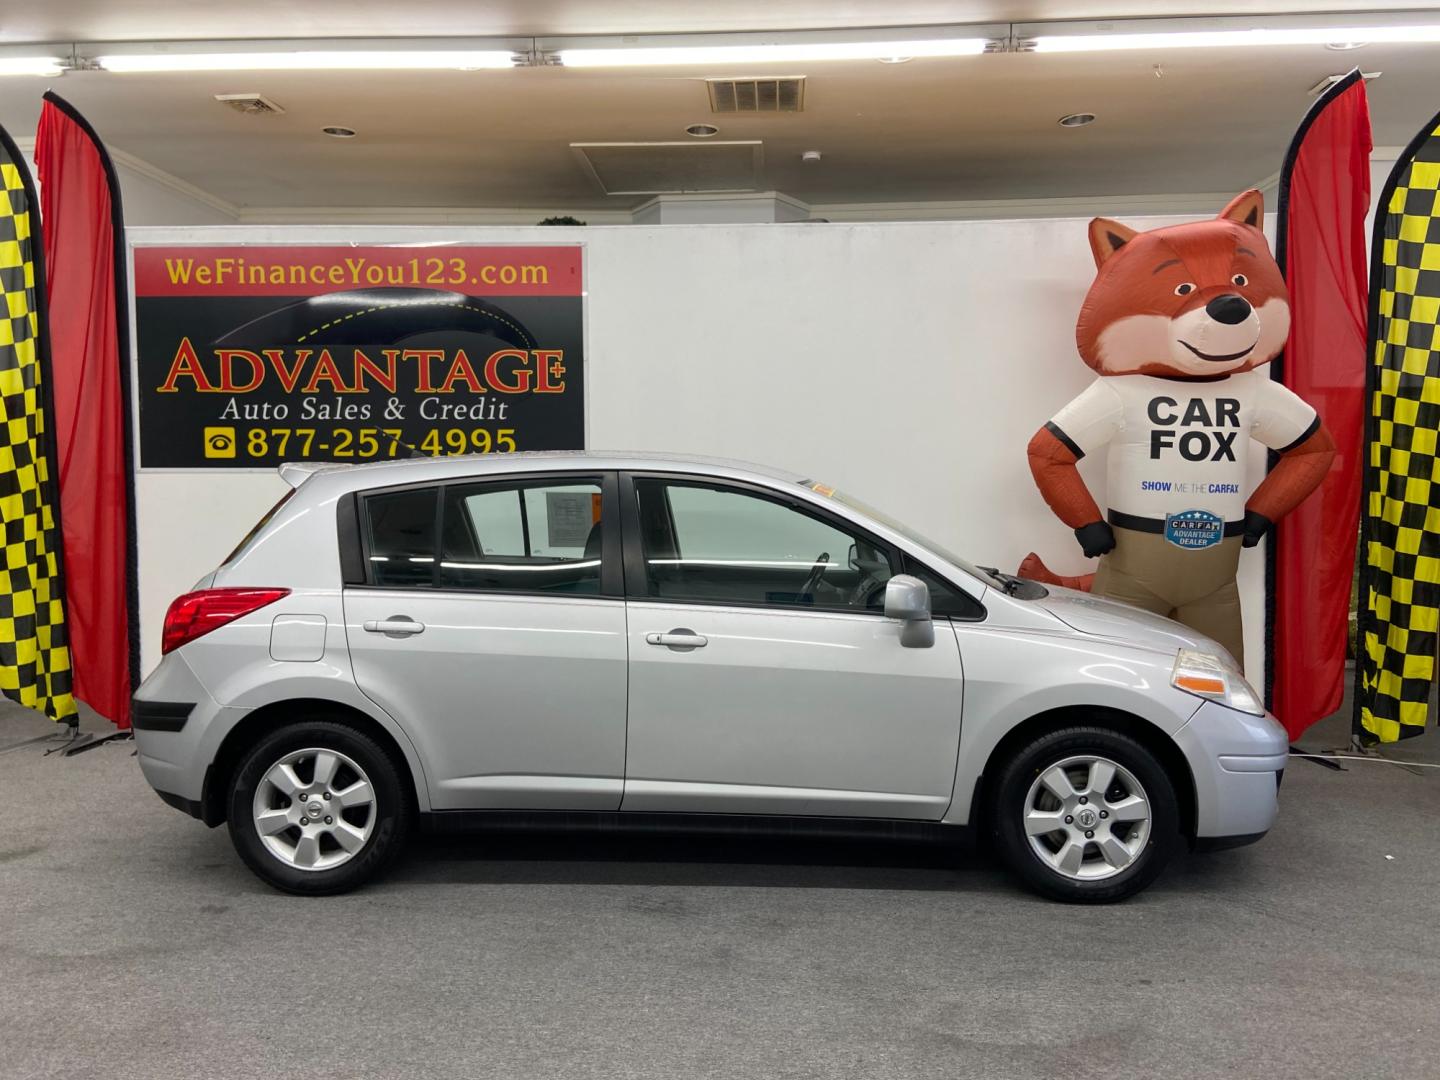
151, 196
906, 363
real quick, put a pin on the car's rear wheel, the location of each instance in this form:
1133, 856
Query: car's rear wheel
1085, 814
318, 808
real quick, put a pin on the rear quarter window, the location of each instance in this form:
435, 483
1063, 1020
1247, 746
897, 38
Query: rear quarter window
400, 539
256, 529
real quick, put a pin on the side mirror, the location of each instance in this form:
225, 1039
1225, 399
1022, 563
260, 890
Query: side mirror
908, 599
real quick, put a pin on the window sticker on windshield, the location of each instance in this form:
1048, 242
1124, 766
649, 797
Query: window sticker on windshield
823, 489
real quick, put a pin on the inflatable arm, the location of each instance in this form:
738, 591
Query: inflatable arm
1302, 466
1052, 463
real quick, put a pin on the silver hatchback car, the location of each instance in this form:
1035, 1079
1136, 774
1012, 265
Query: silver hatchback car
640, 639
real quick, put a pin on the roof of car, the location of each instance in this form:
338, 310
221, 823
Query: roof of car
419, 469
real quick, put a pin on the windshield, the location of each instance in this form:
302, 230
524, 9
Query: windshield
907, 532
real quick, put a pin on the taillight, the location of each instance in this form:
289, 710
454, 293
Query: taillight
196, 614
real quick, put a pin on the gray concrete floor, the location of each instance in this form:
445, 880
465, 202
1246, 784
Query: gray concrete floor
1334, 733
134, 944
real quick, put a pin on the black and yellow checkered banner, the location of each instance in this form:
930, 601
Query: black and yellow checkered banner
34, 654
1399, 604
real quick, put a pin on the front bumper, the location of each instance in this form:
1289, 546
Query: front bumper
193, 807
1236, 760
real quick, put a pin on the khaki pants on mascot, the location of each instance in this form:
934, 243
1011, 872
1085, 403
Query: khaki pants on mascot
1178, 325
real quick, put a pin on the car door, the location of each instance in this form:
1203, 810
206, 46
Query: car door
764, 677
489, 620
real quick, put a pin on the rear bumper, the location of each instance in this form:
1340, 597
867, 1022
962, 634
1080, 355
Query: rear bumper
148, 715
177, 730
1236, 760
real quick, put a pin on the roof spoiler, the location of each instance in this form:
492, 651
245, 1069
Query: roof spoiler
296, 473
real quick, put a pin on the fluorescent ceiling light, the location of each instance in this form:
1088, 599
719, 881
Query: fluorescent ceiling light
777, 53
31, 65
308, 60
1199, 39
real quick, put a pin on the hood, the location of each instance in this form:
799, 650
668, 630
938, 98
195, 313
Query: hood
1121, 622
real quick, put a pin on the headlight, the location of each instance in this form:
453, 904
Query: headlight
1217, 679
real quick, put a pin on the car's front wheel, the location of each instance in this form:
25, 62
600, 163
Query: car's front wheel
1085, 814
318, 808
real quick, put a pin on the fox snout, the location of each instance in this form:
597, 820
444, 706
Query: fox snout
1222, 334
1229, 309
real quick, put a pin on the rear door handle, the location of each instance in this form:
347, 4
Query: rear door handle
396, 626
681, 639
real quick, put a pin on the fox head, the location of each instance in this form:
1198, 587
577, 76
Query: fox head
1200, 299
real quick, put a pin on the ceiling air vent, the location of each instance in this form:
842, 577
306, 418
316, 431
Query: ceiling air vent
250, 104
767, 93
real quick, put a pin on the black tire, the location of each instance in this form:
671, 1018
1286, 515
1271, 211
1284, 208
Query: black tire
1008, 807
392, 807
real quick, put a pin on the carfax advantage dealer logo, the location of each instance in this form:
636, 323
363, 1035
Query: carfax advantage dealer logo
251, 356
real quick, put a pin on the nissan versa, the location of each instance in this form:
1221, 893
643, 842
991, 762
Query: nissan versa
637, 638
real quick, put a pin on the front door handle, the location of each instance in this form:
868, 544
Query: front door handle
397, 626
681, 639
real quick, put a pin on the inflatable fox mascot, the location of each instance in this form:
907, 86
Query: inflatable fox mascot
1179, 324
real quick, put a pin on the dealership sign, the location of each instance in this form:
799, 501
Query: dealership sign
250, 356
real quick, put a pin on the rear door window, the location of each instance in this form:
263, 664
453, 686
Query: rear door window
541, 534
542, 537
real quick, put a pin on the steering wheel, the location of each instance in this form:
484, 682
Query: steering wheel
865, 590
874, 572
816, 573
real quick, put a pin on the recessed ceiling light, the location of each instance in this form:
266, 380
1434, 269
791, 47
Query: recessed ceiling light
1077, 119
702, 131
894, 59
1345, 46
339, 132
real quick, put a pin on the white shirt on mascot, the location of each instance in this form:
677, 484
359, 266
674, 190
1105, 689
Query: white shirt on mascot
1182, 444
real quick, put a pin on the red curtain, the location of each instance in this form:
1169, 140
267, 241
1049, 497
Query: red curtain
1324, 197
84, 277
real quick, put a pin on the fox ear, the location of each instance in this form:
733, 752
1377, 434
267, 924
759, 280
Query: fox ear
1107, 237
1247, 208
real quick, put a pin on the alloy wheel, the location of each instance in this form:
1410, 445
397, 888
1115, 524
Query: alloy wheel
1087, 817
314, 809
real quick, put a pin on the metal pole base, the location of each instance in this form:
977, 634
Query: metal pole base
1315, 756
80, 743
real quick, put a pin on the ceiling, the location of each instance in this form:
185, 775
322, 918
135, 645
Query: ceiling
102, 20
965, 128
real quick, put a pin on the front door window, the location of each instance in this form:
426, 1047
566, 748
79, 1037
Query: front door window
719, 545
